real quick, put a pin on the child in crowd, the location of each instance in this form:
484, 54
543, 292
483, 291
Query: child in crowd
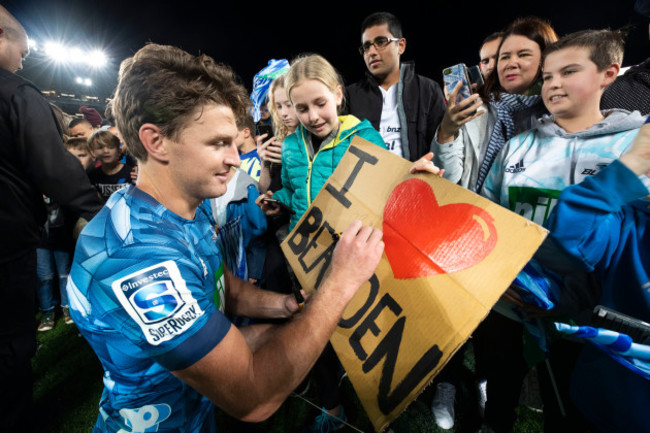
247, 147
54, 254
574, 142
604, 224
310, 155
285, 122
79, 147
126, 157
54, 258
111, 175
241, 225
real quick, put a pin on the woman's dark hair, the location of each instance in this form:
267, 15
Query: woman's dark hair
533, 28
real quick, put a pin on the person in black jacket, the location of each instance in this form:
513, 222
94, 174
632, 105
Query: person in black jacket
33, 162
403, 106
631, 91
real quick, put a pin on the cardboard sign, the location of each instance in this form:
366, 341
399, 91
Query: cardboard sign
449, 255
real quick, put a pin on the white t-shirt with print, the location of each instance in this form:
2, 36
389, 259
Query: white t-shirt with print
389, 127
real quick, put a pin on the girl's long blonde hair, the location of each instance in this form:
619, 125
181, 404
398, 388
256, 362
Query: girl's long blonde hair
279, 128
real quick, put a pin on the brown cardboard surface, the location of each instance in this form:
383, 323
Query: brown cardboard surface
450, 254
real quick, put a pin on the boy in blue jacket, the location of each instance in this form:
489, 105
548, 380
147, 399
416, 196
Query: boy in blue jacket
604, 223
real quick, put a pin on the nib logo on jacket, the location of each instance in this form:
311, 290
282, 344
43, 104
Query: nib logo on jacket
534, 204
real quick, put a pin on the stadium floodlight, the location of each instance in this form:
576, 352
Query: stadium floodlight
55, 51
62, 54
97, 59
85, 81
75, 55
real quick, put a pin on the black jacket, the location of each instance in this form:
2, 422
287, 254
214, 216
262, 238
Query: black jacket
422, 100
630, 91
33, 162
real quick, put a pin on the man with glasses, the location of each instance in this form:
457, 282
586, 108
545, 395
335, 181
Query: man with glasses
403, 106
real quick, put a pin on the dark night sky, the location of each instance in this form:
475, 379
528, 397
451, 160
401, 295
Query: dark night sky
246, 36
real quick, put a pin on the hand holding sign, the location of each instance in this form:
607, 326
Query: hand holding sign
425, 164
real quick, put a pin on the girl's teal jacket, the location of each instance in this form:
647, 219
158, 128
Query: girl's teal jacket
304, 173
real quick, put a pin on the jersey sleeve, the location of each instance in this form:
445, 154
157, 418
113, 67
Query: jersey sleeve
161, 300
586, 222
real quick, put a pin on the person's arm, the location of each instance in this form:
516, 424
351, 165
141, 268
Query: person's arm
456, 115
54, 170
284, 194
586, 221
245, 299
252, 384
451, 156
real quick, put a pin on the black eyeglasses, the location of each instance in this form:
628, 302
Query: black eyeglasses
380, 43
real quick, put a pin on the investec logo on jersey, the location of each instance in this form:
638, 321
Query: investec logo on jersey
534, 204
158, 300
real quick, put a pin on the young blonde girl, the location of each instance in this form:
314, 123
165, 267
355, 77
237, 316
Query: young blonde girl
269, 149
312, 152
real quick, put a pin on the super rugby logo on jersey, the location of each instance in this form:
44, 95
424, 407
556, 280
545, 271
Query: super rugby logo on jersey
159, 301
152, 294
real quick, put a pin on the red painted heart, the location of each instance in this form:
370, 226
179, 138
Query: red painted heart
422, 238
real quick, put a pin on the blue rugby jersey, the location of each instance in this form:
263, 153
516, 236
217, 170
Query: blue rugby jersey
146, 290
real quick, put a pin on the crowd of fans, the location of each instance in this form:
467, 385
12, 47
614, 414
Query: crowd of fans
552, 131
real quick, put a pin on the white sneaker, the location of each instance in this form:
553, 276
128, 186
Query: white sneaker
442, 405
482, 396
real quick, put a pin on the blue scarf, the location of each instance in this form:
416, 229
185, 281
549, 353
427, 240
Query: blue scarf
504, 128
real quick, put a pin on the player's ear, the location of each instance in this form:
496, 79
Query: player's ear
153, 141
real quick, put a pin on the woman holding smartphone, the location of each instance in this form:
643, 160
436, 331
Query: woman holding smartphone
473, 130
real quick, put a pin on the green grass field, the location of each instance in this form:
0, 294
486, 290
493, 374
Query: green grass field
68, 385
